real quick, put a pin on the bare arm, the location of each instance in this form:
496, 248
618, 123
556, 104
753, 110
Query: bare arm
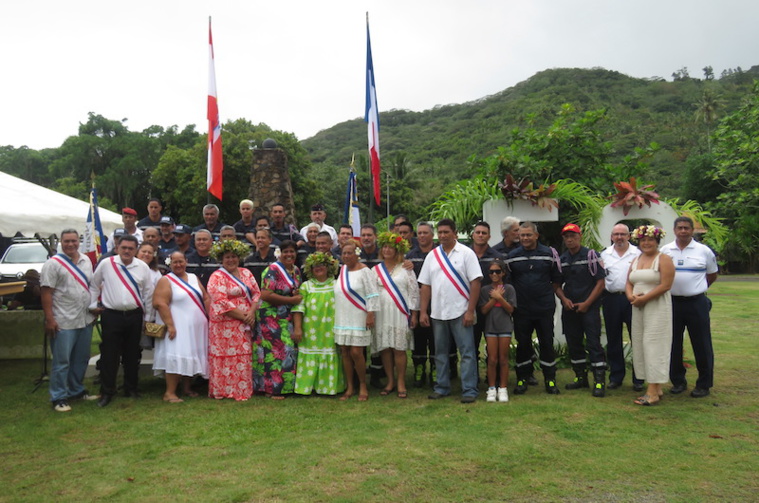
162, 303
51, 326
474, 296
424, 304
279, 300
711, 278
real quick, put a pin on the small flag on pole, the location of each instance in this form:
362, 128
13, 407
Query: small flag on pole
215, 162
93, 231
352, 216
372, 118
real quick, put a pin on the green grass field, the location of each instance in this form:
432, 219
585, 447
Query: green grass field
570, 447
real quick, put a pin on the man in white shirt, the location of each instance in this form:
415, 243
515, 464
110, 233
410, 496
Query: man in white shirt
450, 279
617, 309
695, 270
125, 287
65, 280
318, 216
129, 217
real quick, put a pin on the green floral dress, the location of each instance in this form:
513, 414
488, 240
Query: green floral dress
320, 367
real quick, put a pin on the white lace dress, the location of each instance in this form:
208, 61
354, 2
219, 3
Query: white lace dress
391, 328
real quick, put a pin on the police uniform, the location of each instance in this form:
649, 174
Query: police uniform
581, 273
202, 267
690, 309
533, 274
617, 311
424, 339
256, 265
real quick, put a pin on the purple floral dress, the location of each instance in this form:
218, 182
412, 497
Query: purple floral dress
275, 355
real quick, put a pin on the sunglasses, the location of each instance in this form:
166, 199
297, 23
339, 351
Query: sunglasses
495, 271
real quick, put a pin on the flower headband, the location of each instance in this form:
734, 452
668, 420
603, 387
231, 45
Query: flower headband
320, 258
650, 231
219, 248
394, 241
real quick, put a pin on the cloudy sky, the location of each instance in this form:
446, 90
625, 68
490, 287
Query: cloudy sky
299, 66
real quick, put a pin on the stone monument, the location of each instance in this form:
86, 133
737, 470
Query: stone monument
270, 180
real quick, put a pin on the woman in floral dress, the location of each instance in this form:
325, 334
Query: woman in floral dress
234, 300
274, 365
319, 364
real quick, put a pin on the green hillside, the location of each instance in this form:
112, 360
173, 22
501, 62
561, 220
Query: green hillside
429, 150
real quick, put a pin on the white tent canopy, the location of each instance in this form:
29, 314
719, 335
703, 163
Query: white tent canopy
29, 208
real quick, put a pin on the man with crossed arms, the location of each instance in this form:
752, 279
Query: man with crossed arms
65, 280
122, 292
450, 277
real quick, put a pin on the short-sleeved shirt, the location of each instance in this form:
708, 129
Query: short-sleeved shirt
446, 301
147, 222
498, 320
533, 274
214, 232
71, 299
580, 273
241, 228
692, 264
617, 267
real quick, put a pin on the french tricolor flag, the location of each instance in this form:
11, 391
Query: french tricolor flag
215, 162
372, 117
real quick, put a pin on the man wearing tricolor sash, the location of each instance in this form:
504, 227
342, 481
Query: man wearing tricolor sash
65, 281
450, 280
122, 291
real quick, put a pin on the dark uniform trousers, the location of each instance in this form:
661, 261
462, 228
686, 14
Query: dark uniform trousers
692, 313
523, 328
589, 323
617, 313
121, 342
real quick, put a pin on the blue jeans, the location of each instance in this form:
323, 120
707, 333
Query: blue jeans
70, 349
463, 336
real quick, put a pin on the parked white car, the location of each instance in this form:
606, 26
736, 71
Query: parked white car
20, 257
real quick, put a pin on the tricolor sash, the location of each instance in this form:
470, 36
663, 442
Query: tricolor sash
71, 267
132, 288
350, 294
245, 288
392, 289
450, 272
277, 266
195, 295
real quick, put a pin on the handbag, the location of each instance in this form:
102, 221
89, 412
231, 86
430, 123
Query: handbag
155, 330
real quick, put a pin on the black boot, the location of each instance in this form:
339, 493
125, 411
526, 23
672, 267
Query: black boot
580, 381
419, 375
521, 388
599, 388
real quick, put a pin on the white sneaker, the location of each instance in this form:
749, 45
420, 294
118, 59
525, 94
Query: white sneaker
490, 395
503, 394
61, 406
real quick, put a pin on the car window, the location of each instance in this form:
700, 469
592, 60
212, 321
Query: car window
25, 255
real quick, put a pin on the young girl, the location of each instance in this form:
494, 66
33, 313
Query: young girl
497, 302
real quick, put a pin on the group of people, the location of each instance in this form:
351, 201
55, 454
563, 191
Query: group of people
261, 307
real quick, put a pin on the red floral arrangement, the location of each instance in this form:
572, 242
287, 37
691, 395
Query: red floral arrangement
525, 190
629, 195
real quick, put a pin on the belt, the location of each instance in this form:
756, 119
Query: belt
687, 297
125, 313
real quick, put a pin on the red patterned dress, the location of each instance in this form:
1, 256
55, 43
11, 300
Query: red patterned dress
229, 340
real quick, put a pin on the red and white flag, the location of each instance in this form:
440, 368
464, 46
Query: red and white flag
372, 117
215, 162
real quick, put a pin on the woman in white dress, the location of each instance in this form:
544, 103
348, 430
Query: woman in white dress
648, 283
356, 302
399, 311
182, 304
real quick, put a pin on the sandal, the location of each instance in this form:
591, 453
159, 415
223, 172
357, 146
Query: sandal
386, 391
363, 398
645, 401
191, 394
403, 394
345, 397
173, 400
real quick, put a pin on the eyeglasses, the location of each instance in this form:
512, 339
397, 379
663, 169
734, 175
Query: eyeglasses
495, 271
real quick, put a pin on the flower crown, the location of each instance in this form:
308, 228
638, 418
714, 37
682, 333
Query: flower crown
320, 258
650, 231
219, 248
394, 241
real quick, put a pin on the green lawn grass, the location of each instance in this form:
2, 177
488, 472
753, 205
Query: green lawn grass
570, 447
